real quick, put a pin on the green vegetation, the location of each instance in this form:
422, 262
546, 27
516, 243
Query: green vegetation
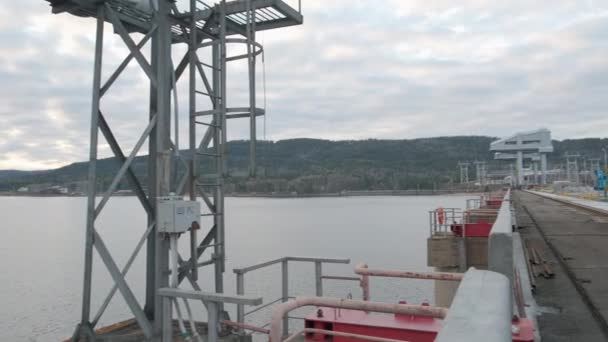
316, 166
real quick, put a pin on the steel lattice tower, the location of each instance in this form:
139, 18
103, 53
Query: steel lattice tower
572, 172
464, 172
203, 28
481, 170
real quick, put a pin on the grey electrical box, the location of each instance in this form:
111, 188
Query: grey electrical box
174, 215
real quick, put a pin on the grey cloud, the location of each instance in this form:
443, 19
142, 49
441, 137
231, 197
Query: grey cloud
354, 70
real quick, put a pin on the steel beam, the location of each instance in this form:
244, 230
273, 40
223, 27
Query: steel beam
209, 296
210, 91
192, 170
126, 292
251, 58
92, 176
199, 251
124, 271
125, 166
125, 62
161, 66
124, 34
120, 157
203, 144
216, 137
222, 162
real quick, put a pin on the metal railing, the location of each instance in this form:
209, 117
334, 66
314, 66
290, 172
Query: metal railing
471, 216
482, 201
365, 272
212, 302
438, 226
284, 261
474, 203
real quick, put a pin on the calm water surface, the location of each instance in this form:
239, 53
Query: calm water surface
42, 249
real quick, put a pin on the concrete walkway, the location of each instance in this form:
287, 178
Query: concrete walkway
575, 242
575, 200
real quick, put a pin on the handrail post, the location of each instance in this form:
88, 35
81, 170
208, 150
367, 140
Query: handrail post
285, 291
167, 332
212, 321
240, 290
365, 285
318, 279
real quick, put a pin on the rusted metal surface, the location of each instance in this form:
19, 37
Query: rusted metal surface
538, 262
362, 269
574, 244
365, 272
128, 330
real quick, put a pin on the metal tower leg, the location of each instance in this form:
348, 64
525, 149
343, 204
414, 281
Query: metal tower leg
543, 168
92, 177
223, 93
161, 62
520, 168
222, 161
193, 168
250, 27
149, 307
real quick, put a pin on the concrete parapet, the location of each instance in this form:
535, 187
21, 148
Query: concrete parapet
480, 311
444, 251
500, 242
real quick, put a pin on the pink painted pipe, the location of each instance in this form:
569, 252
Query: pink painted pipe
365, 273
276, 322
362, 269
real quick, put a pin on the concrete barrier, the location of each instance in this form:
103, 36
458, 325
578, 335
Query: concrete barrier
500, 241
481, 310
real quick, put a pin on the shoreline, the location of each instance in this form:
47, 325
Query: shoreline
358, 193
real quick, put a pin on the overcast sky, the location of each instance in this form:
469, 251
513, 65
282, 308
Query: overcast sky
354, 70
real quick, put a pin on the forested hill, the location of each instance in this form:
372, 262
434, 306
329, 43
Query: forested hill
314, 165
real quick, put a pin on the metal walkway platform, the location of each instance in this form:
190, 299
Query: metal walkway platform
129, 331
573, 303
269, 14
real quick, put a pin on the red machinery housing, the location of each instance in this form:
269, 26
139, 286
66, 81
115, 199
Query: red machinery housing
472, 229
399, 327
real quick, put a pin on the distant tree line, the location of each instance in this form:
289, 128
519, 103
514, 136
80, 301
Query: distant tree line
322, 166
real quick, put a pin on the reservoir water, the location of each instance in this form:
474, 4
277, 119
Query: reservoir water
41, 252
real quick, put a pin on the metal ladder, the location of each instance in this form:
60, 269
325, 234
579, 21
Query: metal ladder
209, 186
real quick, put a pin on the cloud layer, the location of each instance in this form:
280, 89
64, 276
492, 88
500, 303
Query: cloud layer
354, 70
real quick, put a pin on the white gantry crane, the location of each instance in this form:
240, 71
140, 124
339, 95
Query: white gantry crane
532, 145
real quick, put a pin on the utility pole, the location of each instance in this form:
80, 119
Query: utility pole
464, 172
